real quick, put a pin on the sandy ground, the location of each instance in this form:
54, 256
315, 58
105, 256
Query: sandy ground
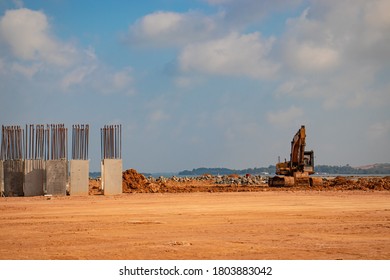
248, 225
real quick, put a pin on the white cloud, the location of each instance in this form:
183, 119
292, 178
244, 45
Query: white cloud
27, 33
172, 29
99, 79
378, 14
290, 86
32, 51
235, 54
123, 81
240, 14
336, 51
162, 29
292, 115
308, 45
76, 76
26, 70
160, 23
307, 57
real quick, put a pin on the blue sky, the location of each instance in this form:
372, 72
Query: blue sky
206, 83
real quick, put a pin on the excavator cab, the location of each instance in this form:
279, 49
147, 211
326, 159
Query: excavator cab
308, 162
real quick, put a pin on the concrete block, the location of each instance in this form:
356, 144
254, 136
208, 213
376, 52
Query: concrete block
34, 177
111, 176
79, 177
56, 176
13, 177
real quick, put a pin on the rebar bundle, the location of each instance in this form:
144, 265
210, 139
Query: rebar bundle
12, 143
80, 139
58, 141
111, 142
36, 142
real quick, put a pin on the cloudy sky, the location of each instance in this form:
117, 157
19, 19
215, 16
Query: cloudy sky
203, 83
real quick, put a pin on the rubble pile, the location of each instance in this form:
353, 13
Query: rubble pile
232, 179
241, 180
203, 178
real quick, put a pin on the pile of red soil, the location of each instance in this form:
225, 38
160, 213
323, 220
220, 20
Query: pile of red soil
133, 181
95, 186
358, 183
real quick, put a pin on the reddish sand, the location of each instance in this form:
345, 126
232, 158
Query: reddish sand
235, 225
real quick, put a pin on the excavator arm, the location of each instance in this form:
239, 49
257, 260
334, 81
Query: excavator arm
298, 149
297, 155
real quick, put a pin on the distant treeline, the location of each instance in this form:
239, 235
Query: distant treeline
94, 175
380, 168
226, 171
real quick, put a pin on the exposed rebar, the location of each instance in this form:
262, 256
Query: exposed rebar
12, 143
80, 138
111, 142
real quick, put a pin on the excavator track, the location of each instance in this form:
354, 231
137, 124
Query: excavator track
289, 181
281, 181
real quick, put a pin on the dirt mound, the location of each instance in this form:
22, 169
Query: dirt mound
360, 183
132, 181
95, 186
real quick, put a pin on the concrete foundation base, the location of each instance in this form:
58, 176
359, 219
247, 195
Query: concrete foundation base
79, 177
34, 177
56, 177
13, 177
111, 170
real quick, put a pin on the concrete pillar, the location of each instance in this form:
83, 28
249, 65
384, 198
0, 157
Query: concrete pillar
34, 177
13, 177
79, 177
111, 170
56, 176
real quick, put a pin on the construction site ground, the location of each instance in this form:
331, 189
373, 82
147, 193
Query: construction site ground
201, 220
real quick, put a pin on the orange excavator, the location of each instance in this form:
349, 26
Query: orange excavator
296, 171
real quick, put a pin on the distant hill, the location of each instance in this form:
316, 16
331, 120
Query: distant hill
378, 168
94, 175
226, 171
